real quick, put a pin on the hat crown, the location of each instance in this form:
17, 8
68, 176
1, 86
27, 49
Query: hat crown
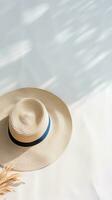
28, 120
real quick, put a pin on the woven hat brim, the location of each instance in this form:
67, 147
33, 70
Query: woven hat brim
46, 152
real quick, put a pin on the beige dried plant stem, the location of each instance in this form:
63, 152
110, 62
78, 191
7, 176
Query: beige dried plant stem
8, 179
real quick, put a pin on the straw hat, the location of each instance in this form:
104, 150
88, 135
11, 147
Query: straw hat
35, 128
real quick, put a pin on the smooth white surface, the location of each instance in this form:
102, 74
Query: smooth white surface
64, 46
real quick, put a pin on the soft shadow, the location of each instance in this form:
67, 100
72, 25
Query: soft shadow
62, 46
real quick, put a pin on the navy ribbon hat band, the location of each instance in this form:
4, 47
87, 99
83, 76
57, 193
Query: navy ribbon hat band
29, 144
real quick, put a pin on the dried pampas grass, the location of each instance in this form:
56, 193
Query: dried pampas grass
8, 180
